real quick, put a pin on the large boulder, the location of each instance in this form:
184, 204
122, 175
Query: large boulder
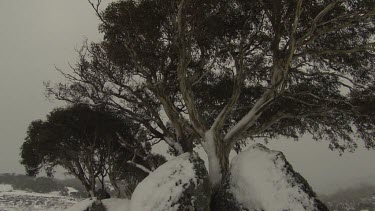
263, 180
180, 184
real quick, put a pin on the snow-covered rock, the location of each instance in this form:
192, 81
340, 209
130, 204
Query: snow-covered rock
262, 180
180, 184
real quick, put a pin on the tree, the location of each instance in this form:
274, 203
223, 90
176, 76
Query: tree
219, 73
83, 141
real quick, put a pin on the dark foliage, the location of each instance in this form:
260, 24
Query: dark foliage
82, 140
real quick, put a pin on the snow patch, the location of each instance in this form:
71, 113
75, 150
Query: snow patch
162, 189
54, 194
259, 181
5, 187
71, 190
82, 205
114, 204
19, 200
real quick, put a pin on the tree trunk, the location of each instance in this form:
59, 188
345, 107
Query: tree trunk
92, 187
218, 157
114, 184
102, 183
186, 143
88, 189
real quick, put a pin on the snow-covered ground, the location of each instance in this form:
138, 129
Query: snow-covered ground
20, 200
110, 204
117, 204
5, 188
71, 190
82, 205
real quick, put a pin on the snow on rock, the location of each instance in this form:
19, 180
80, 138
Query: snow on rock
262, 179
114, 204
180, 184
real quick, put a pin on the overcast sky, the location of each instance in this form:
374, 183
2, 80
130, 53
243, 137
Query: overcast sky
36, 35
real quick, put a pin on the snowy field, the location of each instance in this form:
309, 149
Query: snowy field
19, 200
110, 204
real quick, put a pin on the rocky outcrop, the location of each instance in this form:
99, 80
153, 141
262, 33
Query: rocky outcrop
263, 180
180, 184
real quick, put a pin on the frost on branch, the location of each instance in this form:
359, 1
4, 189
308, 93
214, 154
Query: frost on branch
263, 180
180, 184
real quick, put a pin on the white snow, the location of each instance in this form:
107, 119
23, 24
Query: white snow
71, 190
5, 187
19, 200
82, 205
164, 186
54, 194
115, 204
25, 193
174, 143
259, 182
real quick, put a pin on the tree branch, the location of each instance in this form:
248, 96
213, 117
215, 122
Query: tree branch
366, 47
316, 20
236, 91
139, 166
184, 61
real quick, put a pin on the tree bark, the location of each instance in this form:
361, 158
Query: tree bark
116, 187
187, 143
218, 157
88, 189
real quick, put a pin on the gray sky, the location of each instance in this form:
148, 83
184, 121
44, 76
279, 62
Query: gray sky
36, 35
